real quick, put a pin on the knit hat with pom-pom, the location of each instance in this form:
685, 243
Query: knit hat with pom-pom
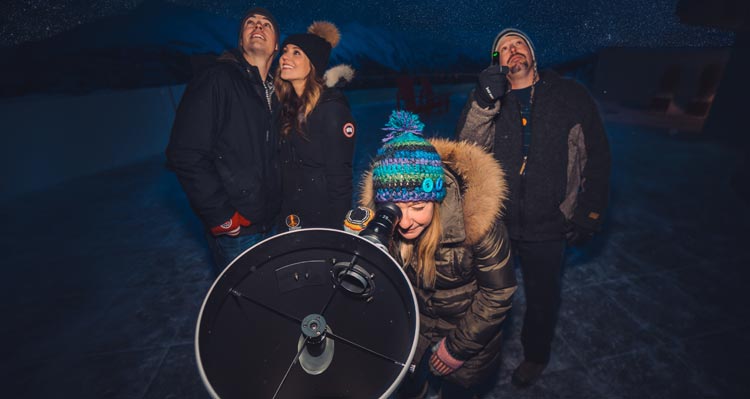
407, 168
317, 43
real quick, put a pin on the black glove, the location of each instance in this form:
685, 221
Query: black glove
577, 235
492, 86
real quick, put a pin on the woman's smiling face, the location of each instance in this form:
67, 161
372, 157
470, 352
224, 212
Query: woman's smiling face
415, 217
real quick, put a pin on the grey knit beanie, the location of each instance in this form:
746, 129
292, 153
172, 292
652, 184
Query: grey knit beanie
519, 33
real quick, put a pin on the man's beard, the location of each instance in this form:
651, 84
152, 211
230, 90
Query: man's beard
519, 66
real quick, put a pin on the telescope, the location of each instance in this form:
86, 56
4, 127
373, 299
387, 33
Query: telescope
310, 313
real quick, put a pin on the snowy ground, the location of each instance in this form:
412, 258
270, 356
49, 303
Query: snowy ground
104, 277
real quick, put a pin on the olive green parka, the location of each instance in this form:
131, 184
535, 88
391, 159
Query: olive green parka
475, 278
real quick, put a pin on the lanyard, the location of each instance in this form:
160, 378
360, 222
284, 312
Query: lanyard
525, 98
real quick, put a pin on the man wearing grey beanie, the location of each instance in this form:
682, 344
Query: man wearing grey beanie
547, 133
223, 146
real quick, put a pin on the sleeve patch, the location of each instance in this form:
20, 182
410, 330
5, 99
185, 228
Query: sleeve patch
349, 130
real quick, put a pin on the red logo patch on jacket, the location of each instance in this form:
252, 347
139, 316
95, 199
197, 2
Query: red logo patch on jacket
349, 130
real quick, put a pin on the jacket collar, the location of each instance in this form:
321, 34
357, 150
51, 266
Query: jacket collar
234, 56
547, 78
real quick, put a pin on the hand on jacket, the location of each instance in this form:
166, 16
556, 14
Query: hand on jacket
492, 86
442, 362
577, 235
231, 227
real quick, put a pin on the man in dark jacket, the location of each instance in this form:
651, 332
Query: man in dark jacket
223, 146
547, 134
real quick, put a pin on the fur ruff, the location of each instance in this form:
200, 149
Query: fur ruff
328, 31
484, 181
338, 75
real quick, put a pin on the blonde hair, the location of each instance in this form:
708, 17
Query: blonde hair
294, 109
426, 247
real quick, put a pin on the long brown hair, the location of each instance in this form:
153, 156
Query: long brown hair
295, 109
426, 247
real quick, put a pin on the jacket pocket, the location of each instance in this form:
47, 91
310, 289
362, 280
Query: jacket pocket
225, 174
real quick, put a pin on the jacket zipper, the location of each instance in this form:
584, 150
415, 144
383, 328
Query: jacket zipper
522, 198
522, 170
268, 90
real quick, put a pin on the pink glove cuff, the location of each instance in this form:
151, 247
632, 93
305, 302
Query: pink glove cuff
445, 356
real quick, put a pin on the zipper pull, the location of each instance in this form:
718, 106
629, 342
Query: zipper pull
523, 167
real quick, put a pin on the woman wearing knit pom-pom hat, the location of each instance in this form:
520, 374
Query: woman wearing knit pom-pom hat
452, 246
317, 129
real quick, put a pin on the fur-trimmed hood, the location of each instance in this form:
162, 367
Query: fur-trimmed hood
338, 76
476, 190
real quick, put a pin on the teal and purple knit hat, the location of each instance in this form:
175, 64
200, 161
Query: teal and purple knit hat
407, 168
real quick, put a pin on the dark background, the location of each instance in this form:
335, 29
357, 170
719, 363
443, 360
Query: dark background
106, 267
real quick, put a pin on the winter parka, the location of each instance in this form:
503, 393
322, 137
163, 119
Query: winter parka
223, 147
475, 279
567, 170
317, 164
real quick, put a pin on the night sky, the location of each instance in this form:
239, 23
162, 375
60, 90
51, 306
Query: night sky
565, 29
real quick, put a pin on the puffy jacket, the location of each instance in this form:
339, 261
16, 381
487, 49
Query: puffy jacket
317, 164
475, 279
223, 147
568, 166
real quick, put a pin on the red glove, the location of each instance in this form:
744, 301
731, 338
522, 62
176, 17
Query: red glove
442, 362
231, 227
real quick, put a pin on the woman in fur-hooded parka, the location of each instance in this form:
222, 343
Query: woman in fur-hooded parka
474, 281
